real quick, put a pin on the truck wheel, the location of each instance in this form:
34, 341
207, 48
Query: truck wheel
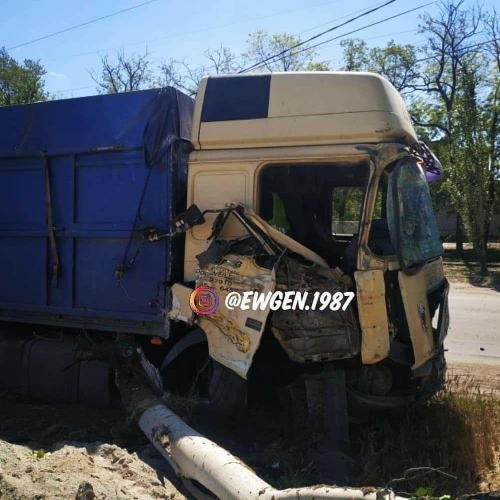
222, 392
227, 392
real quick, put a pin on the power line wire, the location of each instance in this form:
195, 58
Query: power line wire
230, 24
372, 24
391, 68
338, 18
424, 59
262, 63
373, 38
417, 44
267, 59
463, 48
241, 21
226, 25
76, 88
83, 24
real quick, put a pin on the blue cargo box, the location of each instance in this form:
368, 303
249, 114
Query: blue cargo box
80, 179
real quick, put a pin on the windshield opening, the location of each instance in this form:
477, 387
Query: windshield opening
379, 240
318, 205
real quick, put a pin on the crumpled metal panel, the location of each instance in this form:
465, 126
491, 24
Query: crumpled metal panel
234, 335
308, 336
376, 341
414, 294
180, 309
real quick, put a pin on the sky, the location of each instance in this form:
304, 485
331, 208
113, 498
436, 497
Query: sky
182, 30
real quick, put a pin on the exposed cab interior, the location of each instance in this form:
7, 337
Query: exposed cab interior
321, 206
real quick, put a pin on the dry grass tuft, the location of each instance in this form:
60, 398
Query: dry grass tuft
457, 432
184, 406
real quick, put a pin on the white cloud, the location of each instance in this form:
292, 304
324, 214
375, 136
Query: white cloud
59, 76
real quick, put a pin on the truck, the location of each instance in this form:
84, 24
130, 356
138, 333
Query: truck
116, 208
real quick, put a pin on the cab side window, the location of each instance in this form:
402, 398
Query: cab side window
347, 207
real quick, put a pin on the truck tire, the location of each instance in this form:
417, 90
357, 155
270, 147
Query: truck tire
227, 391
222, 392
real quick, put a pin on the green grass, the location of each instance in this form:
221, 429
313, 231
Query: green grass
449, 445
453, 441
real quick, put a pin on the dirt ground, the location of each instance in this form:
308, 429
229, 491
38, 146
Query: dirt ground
467, 271
71, 452
74, 452
82, 471
487, 377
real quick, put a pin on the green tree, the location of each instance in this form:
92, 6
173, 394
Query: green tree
263, 46
397, 63
355, 55
318, 66
492, 25
222, 61
467, 181
20, 83
454, 80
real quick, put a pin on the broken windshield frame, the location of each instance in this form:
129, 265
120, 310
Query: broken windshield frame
412, 224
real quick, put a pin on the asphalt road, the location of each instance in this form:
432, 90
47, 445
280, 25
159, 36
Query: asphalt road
474, 334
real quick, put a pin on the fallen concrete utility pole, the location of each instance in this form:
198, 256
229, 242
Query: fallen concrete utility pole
195, 457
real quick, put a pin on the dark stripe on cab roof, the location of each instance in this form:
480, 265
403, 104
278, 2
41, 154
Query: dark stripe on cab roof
236, 98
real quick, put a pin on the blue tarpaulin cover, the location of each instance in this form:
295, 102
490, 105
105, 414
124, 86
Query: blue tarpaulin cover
149, 118
101, 168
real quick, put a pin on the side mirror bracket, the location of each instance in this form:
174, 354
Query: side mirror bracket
190, 218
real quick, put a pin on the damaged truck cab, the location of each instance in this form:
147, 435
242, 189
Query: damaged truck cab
316, 182
296, 182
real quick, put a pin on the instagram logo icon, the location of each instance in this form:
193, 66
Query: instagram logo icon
204, 300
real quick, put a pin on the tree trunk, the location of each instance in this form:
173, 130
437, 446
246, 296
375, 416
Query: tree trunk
492, 199
486, 236
481, 253
459, 236
344, 193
